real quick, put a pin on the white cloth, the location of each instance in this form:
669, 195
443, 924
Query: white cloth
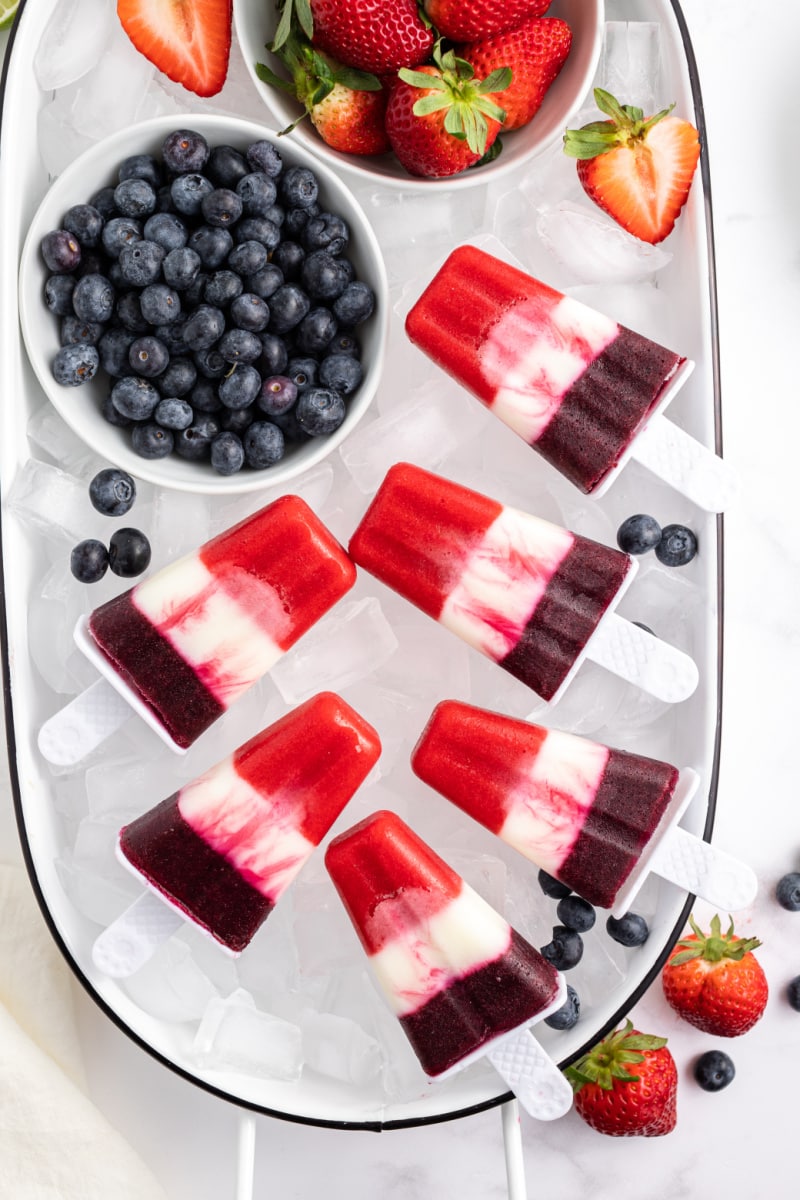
54, 1143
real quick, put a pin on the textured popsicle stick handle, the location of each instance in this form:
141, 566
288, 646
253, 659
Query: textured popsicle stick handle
532, 1075
705, 870
686, 464
83, 724
128, 943
640, 657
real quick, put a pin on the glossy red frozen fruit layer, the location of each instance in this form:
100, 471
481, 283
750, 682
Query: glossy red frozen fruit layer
576, 385
582, 811
271, 576
225, 847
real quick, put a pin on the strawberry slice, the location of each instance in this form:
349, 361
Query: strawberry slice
189, 40
637, 169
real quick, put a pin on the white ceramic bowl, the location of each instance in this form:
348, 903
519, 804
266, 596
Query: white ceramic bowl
255, 25
81, 406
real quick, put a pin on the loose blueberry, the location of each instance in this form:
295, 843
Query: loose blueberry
677, 547
629, 930
61, 251
129, 313
257, 193
274, 354
320, 411
222, 287
258, 229
128, 552
277, 395
140, 263
264, 444
553, 887
119, 232
787, 891
326, 231
203, 327
88, 561
213, 245
103, 201
793, 993
210, 363
239, 346
237, 420
248, 257
287, 307
76, 364
141, 166
204, 397
113, 347
221, 208
148, 356
112, 492
152, 441
180, 268
324, 277
74, 331
289, 256
296, 220
185, 150
187, 193
576, 913
566, 1016
303, 372
565, 950
638, 534
315, 330
714, 1070
265, 281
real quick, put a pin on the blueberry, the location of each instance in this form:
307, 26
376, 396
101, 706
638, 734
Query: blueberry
787, 891
344, 343
576, 913
714, 1070
167, 230
250, 312
341, 372
677, 547
629, 929
258, 229
289, 256
210, 363
287, 423
103, 201
119, 232
239, 346
287, 307
152, 441
76, 364
257, 193
566, 1016
264, 444
148, 356
113, 348
315, 330
94, 262
638, 534
134, 398
299, 187
194, 443
277, 395
265, 281
58, 291
226, 166
326, 231
185, 150
227, 453
213, 245
194, 294
173, 413
85, 223
240, 388
135, 198
553, 887
274, 354
187, 193
320, 411
324, 277
248, 257
61, 251
113, 415
302, 372
160, 304
793, 993
355, 304
74, 331
237, 420
129, 313
112, 492
181, 267
296, 220
128, 552
171, 334
221, 208
141, 166
565, 950
88, 561
140, 263
222, 287
204, 397
262, 156
94, 299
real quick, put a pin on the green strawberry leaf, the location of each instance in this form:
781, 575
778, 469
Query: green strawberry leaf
267, 75
491, 154
357, 81
496, 81
304, 17
429, 104
284, 26
420, 80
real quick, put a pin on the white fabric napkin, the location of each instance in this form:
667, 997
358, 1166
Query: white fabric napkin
54, 1143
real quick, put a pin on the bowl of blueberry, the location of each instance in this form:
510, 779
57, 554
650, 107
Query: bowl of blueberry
205, 305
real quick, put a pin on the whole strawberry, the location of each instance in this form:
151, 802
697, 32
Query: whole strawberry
372, 35
466, 20
714, 981
626, 1085
637, 169
535, 51
441, 119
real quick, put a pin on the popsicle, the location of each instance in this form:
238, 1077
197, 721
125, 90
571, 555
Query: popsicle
597, 818
456, 974
527, 594
573, 383
189, 640
223, 849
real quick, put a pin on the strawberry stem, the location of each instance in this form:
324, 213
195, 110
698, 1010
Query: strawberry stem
609, 1059
467, 101
714, 946
627, 124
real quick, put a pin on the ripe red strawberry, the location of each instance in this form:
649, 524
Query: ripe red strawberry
468, 20
637, 169
441, 119
372, 35
189, 40
352, 121
535, 52
715, 982
626, 1085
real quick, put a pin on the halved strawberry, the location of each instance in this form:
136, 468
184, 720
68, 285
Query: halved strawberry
189, 40
535, 51
468, 20
637, 169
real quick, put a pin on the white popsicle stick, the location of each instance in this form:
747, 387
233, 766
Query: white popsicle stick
686, 464
130, 941
512, 1144
246, 1153
532, 1075
83, 724
641, 658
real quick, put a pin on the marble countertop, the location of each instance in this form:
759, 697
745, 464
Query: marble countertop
749, 80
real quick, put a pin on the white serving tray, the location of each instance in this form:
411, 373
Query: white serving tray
691, 602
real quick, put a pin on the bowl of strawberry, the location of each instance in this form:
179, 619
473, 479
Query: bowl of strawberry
206, 305
411, 93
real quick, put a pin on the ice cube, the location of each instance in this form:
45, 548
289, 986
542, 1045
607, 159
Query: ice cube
236, 1036
49, 432
217, 966
171, 985
587, 706
73, 39
409, 225
111, 95
422, 643
52, 648
341, 649
339, 1048
322, 930
59, 142
594, 249
181, 521
128, 786
53, 502
94, 895
630, 64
